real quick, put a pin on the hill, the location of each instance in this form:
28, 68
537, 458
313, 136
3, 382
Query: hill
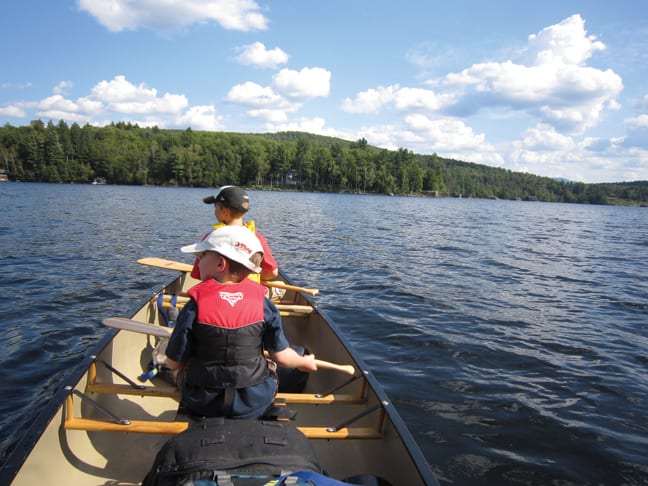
123, 153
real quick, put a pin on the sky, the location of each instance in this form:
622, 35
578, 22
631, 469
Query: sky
557, 88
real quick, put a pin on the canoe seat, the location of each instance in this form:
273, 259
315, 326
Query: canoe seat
172, 428
173, 392
118, 424
124, 389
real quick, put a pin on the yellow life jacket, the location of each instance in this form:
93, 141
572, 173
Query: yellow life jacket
255, 277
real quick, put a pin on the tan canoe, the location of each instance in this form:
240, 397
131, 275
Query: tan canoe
351, 423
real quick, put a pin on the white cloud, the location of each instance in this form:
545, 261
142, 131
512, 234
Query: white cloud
452, 138
543, 138
447, 137
121, 96
57, 102
57, 107
169, 15
549, 81
270, 116
13, 111
408, 99
307, 83
370, 101
451, 134
256, 54
119, 99
254, 95
638, 121
543, 150
403, 99
263, 102
91, 107
565, 43
288, 92
201, 118
62, 87
62, 115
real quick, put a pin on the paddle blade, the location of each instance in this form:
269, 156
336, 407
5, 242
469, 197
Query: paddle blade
163, 263
136, 326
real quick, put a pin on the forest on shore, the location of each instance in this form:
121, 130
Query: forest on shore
124, 153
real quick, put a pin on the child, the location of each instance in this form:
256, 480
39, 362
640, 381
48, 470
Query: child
231, 203
220, 334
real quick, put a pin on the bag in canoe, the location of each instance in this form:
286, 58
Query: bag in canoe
220, 451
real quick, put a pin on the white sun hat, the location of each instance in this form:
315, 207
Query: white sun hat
234, 242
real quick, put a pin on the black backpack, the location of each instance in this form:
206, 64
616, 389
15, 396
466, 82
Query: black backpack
236, 451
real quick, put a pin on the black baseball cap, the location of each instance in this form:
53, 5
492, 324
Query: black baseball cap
230, 196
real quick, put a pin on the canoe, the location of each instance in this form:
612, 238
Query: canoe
106, 427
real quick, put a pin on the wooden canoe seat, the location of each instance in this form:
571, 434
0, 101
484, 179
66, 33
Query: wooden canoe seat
135, 426
124, 389
170, 391
164, 427
173, 392
172, 428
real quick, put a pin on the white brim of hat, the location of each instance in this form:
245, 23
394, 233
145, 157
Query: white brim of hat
204, 246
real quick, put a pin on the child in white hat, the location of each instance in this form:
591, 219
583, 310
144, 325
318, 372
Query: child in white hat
220, 334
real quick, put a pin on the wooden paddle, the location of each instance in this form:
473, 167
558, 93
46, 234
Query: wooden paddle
136, 326
168, 264
165, 332
185, 267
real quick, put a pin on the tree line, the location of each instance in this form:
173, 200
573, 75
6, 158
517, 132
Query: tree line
124, 153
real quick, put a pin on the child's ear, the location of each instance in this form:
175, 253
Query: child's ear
223, 264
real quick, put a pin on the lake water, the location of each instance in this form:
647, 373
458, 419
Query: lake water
512, 337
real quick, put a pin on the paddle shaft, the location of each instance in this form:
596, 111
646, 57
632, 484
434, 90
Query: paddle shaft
185, 267
281, 285
165, 332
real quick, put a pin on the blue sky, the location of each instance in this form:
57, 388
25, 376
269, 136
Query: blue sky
554, 88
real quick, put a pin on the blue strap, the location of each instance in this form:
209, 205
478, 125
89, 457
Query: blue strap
160, 305
154, 370
150, 374
311, 477
160, 301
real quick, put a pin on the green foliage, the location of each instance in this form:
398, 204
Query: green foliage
124, 153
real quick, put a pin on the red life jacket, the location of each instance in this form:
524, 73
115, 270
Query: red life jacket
227, 339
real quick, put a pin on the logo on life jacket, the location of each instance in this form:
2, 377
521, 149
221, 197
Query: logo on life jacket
231, 297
